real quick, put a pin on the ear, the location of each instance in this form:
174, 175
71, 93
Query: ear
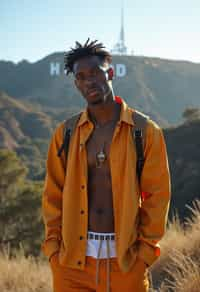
108, 59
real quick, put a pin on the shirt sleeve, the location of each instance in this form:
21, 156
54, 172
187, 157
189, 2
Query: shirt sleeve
52, 195
156, 192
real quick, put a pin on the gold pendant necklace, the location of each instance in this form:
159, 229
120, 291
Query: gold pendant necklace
100, 157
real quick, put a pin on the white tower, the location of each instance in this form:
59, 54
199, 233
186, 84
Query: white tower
120, 47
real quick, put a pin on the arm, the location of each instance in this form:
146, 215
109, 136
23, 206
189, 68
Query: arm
155, 183
52, 195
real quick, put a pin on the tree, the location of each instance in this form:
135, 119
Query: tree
20, 202
191, 114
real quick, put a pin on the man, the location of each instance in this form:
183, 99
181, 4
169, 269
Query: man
101, 234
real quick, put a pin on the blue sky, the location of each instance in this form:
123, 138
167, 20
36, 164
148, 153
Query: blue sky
33, 29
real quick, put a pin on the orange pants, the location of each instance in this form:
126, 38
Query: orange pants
72, 280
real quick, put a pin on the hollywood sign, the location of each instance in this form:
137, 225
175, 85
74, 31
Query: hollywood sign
55, 69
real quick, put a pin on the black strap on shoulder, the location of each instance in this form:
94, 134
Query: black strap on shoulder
68, 131
65, 144
139, 135
139, 151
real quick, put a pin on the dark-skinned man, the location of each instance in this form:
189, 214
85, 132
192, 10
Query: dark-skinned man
101, 233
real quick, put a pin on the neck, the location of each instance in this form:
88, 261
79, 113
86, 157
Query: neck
103, 113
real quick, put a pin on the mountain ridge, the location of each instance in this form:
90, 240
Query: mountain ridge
18, 122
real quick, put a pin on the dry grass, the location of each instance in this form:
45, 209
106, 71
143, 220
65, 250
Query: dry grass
178, 268
21, 274
184, 273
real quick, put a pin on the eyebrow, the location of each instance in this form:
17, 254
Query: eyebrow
95, 66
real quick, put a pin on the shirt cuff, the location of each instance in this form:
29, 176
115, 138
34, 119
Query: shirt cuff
50, 247
148, 253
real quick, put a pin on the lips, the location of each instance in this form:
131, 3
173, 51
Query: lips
93, 91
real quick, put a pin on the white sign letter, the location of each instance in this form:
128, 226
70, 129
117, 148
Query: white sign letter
54, 69
120, 70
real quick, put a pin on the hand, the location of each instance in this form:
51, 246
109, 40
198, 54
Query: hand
53, 257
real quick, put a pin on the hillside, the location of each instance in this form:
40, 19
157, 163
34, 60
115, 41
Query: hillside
18, 121
25, 130
160, 88
183, 144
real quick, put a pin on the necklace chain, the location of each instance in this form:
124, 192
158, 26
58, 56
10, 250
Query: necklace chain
101, 156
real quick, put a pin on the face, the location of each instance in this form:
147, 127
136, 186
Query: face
91, 81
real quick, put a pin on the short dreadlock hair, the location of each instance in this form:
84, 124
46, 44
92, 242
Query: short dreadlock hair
90, 48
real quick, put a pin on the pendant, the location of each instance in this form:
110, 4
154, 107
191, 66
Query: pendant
100, 158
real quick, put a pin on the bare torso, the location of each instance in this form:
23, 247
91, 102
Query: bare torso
100, 202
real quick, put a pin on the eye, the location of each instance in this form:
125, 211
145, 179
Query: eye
80, 77
95, 71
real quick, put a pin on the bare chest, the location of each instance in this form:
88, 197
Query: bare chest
98, 148
100, 202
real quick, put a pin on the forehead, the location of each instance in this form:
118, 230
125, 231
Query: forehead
87, 63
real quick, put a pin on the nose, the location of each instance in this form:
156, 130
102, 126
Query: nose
90, 82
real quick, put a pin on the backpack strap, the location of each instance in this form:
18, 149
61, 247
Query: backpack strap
139, 135
68, 130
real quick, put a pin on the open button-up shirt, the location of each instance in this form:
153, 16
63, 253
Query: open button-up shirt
139, 223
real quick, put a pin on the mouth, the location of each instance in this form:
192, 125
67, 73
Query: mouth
93, 92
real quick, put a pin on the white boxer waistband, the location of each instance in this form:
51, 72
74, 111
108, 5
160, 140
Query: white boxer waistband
101, 245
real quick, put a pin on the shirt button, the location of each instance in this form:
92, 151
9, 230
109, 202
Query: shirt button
81, 237
79, 263
82, 187
82, 212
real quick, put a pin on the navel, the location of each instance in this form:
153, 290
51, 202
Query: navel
100, 211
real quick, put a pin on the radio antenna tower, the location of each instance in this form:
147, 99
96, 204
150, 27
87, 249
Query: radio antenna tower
120, 47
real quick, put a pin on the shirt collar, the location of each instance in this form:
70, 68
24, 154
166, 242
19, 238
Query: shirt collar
126, 114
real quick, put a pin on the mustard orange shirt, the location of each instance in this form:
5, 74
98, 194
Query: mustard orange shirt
139, 224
